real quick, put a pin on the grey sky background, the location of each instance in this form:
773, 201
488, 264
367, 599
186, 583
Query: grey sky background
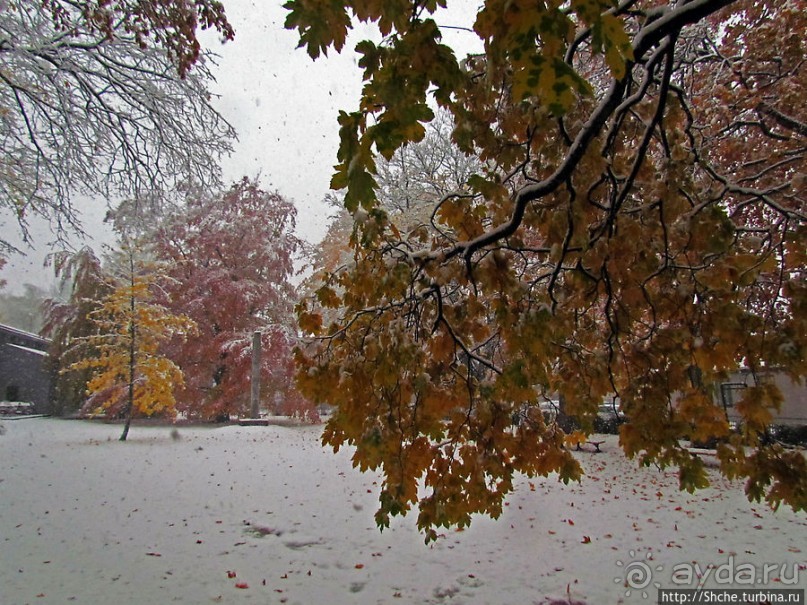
284, 107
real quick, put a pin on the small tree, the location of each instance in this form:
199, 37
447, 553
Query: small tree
131, 375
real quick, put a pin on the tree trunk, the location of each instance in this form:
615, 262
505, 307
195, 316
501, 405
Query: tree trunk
130, 396
255, 400
132, 358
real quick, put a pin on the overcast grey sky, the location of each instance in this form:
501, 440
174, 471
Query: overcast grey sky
284, 107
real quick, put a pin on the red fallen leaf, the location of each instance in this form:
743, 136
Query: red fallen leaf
586, 540
40, 595
757, 527
230, 574
241, 585
570, 522
153, 554
359, 565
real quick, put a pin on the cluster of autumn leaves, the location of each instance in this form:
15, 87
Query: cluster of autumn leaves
635, 228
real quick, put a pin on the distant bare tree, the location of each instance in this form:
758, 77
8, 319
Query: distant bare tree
419, 174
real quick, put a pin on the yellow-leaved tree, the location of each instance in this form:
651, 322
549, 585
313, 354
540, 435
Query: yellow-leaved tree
131, 376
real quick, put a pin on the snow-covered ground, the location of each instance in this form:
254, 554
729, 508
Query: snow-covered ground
266, 515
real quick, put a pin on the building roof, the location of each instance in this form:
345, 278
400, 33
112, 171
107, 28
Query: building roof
30, 336
28, 349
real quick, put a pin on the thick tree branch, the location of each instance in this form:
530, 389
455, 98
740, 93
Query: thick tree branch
660, 26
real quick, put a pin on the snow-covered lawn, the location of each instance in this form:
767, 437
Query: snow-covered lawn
266, 515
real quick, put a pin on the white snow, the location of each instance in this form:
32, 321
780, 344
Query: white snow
186, 515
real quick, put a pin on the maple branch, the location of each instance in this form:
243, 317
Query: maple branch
661, 24
662, 21
622, 8
767, 169
472, 356
664, 50
783, 120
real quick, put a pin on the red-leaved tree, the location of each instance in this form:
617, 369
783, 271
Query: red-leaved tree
231, 257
